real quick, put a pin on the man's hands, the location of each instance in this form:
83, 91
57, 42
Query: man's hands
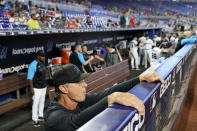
127, 99
151, 77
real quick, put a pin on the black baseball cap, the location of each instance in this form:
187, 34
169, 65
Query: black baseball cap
68, 73
40, 53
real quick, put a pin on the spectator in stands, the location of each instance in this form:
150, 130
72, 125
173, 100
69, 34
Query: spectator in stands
58, 24
19, 8
22, 19
63, 22
48, 23
72, 107
86, 12
43, 17
62, 14
71, 23
51, 13
30, 5
127, 18
109, 23
123, 20
37, 83
49, 7
33, 23
8, 6
12, 18
79, 22
132, 21
58, 14
88, 21
6, 14
2, 3
41, 7
43, 25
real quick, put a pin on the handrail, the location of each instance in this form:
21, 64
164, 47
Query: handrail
118, 117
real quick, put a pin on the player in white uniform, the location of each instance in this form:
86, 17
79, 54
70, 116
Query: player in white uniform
134, 54
148, 50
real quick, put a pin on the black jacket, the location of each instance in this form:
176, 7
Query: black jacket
58, 118
75, 60
39, 77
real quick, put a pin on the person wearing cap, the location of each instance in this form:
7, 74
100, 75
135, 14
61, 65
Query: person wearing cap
72, 107
37, 83
33, 23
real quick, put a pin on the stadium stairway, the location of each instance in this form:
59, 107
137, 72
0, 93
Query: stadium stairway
187, 119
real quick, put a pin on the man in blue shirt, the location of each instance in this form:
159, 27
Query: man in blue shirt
36, 79
81, 58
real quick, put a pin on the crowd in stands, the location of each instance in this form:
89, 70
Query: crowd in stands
39, 17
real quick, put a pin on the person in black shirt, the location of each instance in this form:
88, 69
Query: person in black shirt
88, 21
73, 59
36, 79
123, 20
72, 107
186, 35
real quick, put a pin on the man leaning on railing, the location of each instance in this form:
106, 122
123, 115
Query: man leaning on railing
72, 107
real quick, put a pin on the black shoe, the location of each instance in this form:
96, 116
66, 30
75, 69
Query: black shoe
40, 118
35, 123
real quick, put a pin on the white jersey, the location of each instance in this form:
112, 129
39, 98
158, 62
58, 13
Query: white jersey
172, 39
133, 44
156, 40
148, 44
142, 39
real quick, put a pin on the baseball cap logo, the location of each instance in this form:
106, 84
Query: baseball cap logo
76, 69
